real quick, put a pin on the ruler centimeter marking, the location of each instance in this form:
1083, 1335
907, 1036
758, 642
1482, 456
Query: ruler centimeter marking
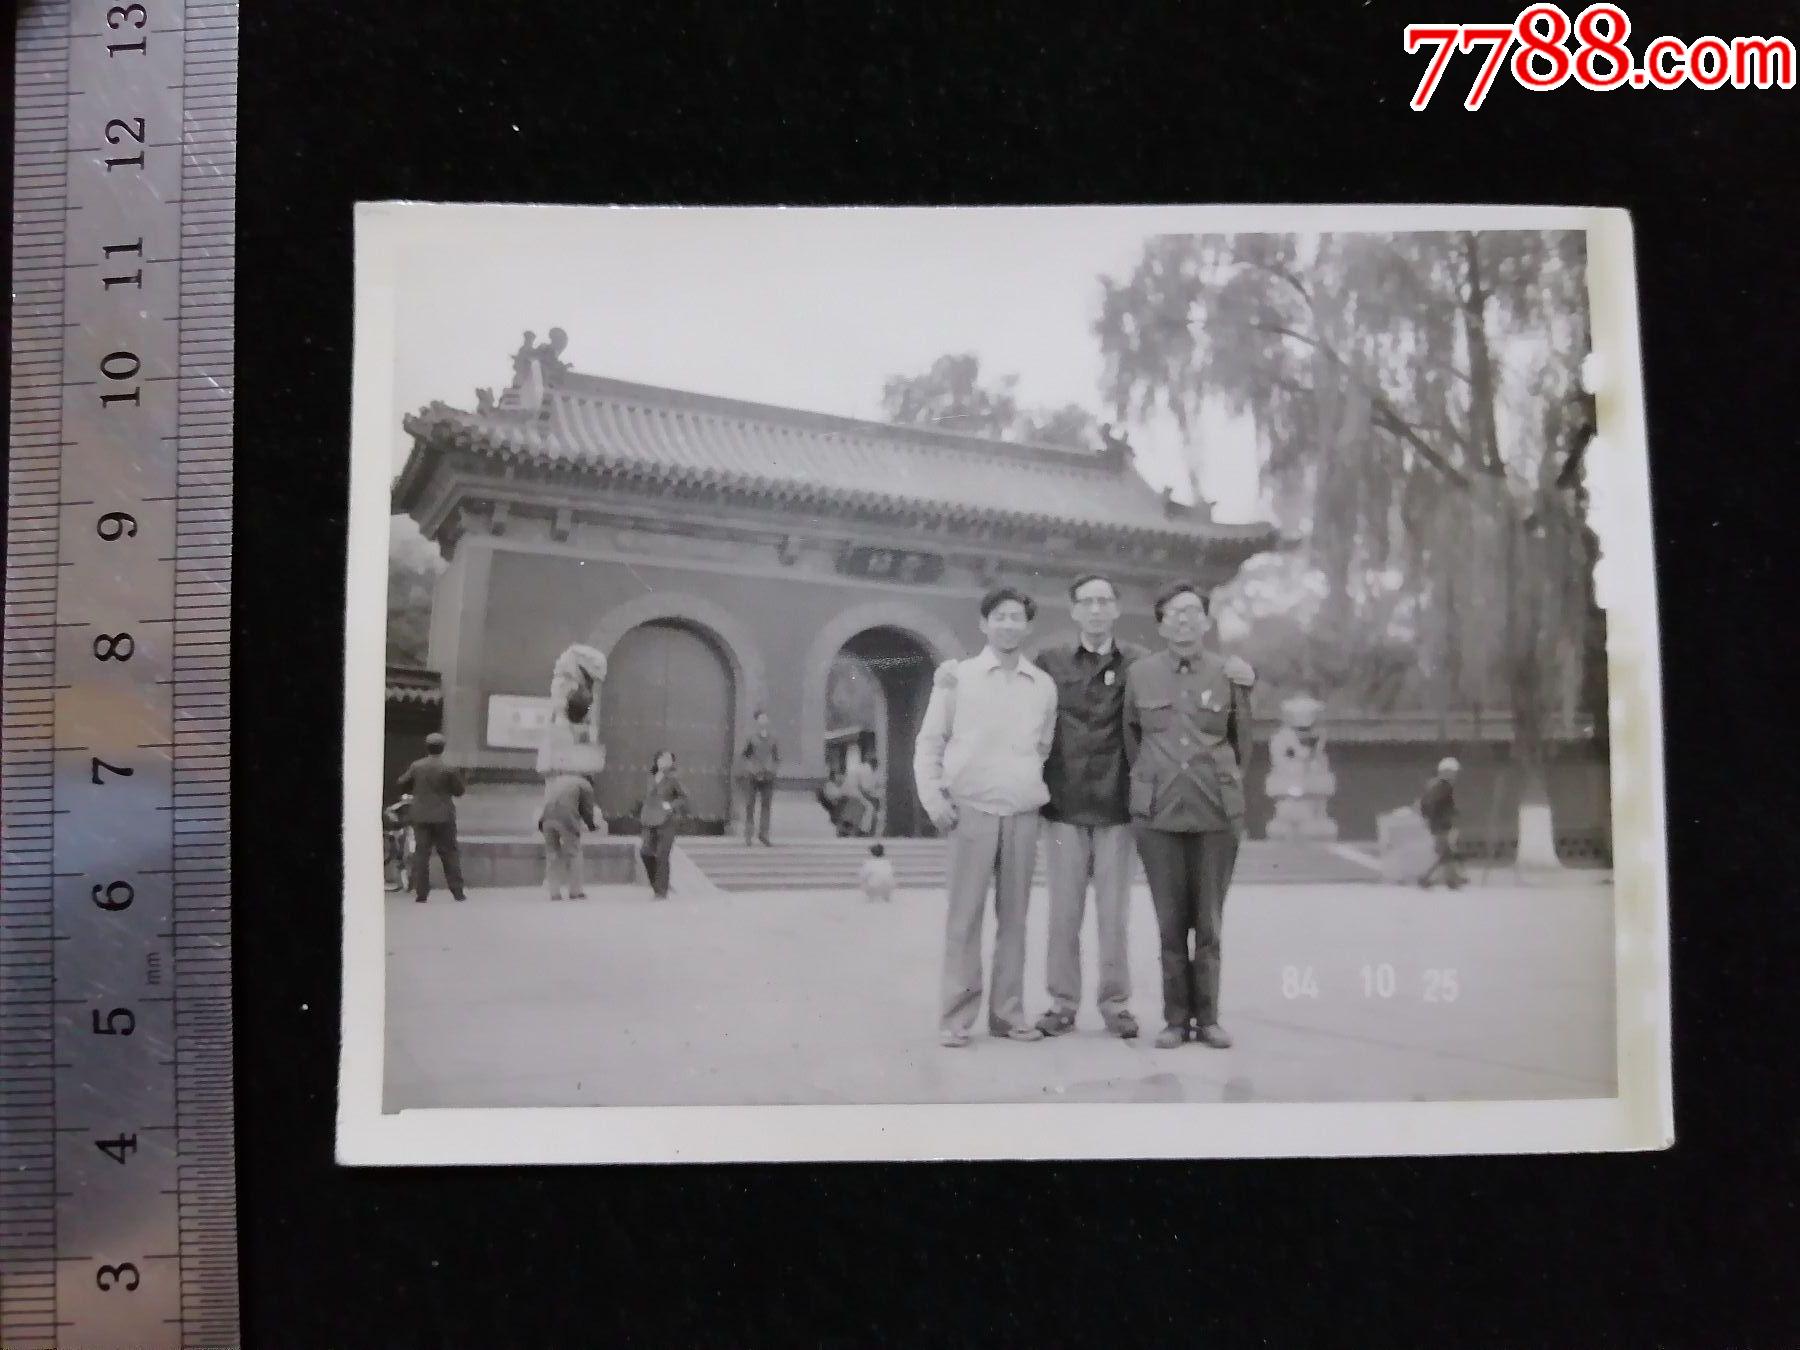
118, 1221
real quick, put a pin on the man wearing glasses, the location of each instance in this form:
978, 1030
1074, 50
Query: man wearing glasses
1187, 732
1087, 821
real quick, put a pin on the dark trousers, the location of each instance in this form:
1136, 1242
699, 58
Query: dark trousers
654, 848
438, 836
1189, 875
1445, 860
762, 797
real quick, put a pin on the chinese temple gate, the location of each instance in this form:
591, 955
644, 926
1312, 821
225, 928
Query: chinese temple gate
724, 553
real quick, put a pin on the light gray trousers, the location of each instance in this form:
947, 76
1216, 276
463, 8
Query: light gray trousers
1075, 855
994, 852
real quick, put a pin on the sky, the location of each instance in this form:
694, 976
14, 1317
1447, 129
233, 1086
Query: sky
805, 309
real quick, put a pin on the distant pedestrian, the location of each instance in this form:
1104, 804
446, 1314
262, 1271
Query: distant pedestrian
877, 875
865, 795
434, 785
568, 809
396, 844
664, 805
1438, 805
762, 759
832, 794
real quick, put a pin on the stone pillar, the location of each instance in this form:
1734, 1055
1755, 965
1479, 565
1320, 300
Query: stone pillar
459, 613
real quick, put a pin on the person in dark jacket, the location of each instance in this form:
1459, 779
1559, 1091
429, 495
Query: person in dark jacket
1087, 821
435, 786
1438, 805
762, 760
665, 803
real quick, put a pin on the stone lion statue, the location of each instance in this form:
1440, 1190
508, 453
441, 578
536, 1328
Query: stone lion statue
571, 742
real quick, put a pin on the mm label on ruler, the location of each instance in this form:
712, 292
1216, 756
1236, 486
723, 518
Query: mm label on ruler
117, 1189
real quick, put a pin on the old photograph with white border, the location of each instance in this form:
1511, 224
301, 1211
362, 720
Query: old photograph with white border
1101, 682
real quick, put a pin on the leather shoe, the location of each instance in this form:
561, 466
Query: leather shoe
1124, 1026
1170, 1038
1214, 1035
1056, 1023
1016, 1033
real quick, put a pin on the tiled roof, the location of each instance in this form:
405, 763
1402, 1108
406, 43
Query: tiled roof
409, 684
798, 457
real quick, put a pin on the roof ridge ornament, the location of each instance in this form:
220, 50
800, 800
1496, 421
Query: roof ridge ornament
1115, 448
537, 367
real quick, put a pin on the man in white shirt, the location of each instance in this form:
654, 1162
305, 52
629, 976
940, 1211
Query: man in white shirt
979, 768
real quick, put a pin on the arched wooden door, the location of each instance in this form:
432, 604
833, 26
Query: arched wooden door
667, 687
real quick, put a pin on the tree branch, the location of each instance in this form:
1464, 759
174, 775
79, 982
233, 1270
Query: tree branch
1392, 423
1385, 413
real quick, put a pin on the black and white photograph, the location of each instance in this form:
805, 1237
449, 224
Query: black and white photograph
1054, 682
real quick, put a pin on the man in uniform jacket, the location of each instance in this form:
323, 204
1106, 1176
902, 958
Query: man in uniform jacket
435, 786
1187, 730
1087, 821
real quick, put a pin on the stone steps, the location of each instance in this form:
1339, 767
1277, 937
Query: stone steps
833, 864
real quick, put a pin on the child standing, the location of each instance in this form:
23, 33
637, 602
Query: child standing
877, 875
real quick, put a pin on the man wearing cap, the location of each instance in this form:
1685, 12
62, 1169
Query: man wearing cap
1187, 732
1438, 805
434, 786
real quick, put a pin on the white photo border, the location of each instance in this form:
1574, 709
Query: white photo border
1640, 1117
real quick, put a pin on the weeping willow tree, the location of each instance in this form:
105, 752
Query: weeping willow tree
1419, 397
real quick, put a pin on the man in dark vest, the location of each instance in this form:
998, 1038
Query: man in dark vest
762, 757
434, 785
1187, 731
1438, 805
1087, 821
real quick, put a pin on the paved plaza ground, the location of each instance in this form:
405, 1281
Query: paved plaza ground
1332, 992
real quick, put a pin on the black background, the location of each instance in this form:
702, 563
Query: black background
964, 103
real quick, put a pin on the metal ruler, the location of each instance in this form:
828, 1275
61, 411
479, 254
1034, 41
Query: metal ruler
118, 1222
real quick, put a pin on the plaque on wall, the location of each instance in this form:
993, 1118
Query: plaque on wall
891, 564
516, 721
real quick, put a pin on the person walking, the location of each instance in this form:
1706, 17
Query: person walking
1087, 821
435, 785
1187, 734
978, 766
762, 758
1438, 805
664, 805
568, 808
866, 795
